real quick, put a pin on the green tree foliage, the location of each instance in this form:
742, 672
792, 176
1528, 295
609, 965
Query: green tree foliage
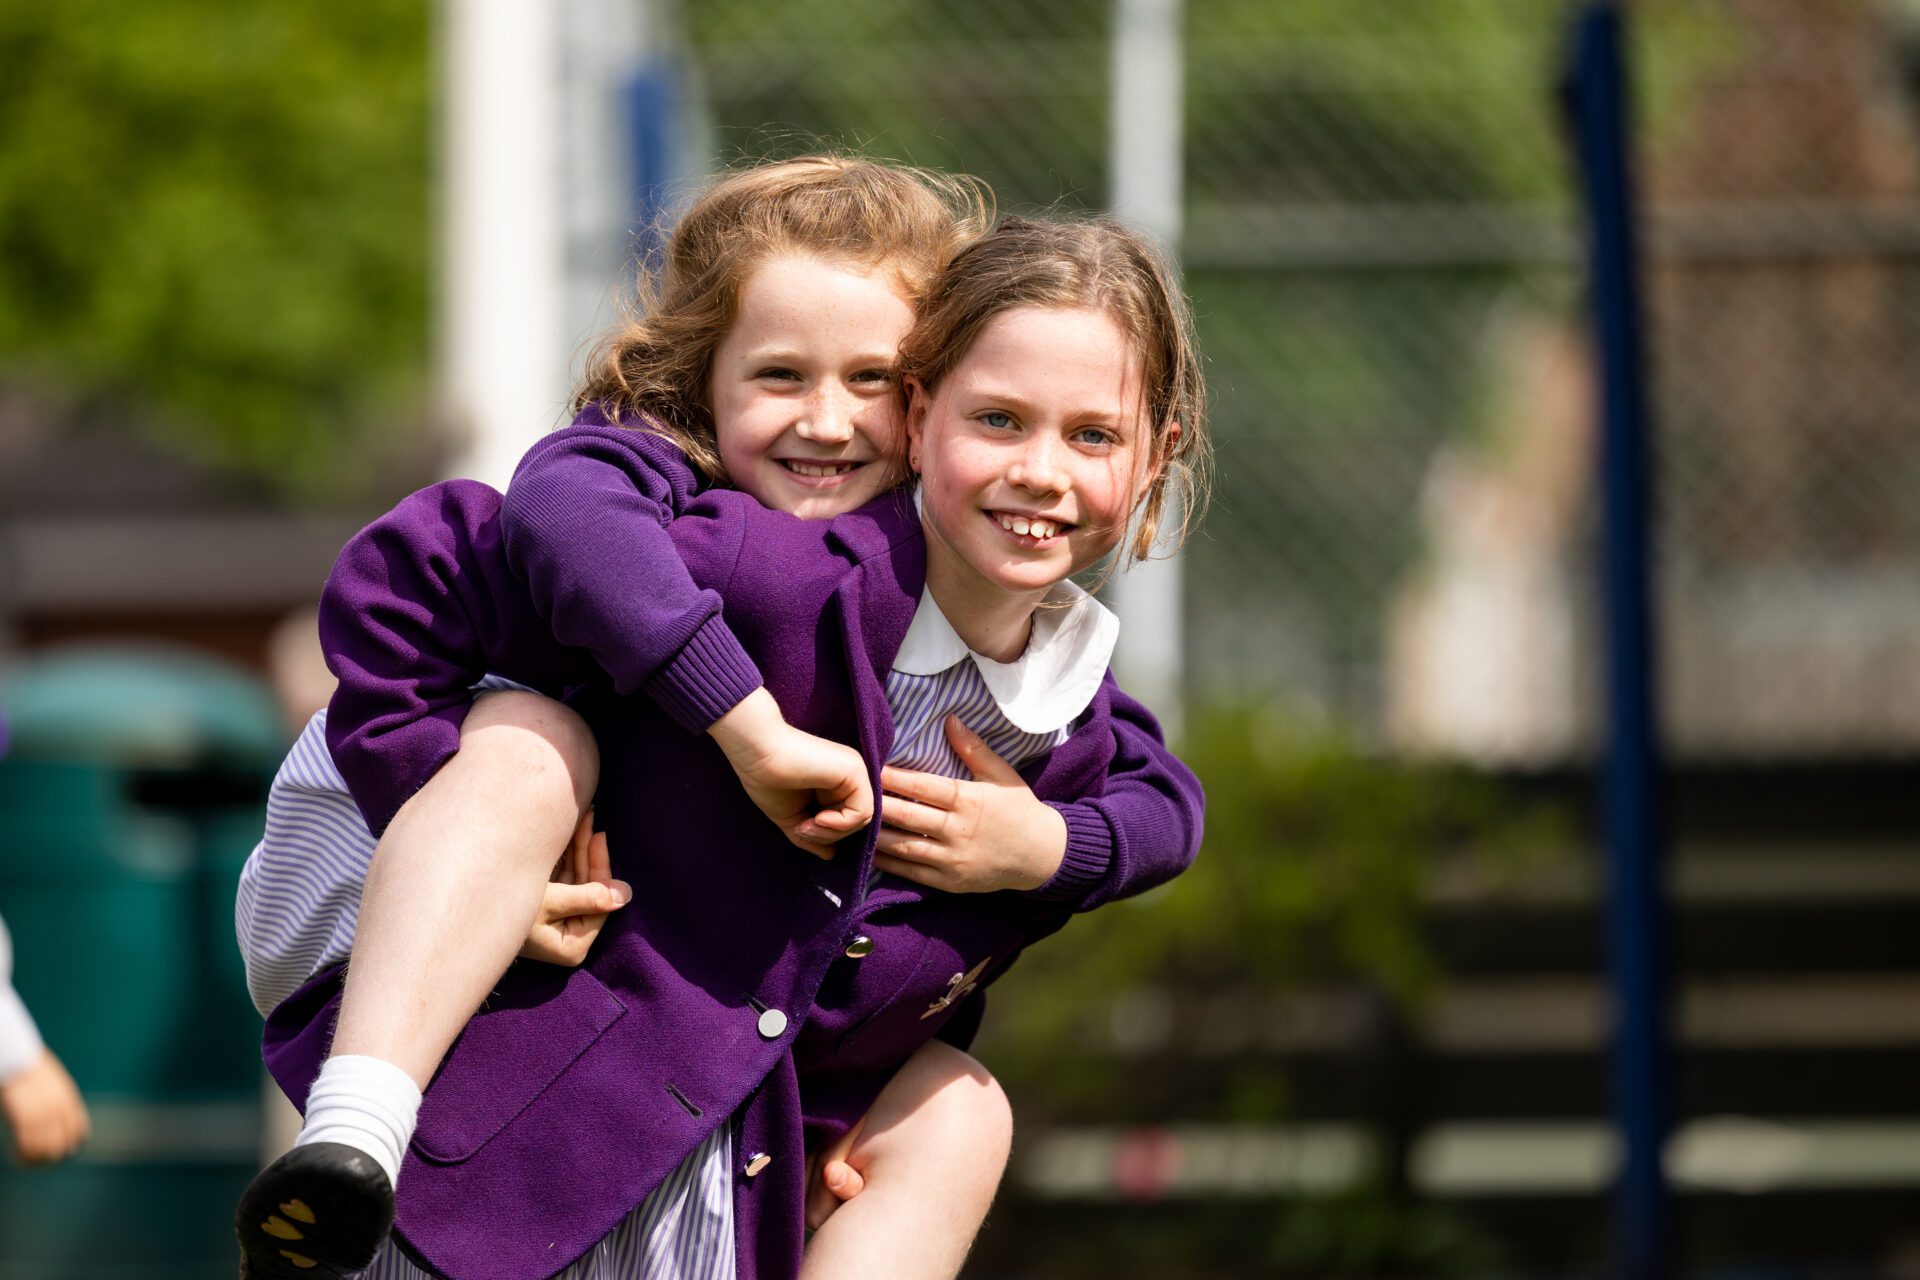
213, 217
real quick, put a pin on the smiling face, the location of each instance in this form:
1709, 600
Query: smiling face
1032, 454
805, 412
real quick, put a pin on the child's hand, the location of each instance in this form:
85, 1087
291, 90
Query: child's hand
44, 1111
968, 837
831, 1180
581, 895
815, 790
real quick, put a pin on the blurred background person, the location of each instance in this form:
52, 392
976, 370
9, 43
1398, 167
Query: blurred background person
45, 1114
44, 1111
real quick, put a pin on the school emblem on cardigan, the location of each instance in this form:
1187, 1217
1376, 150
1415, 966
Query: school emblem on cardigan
957, 987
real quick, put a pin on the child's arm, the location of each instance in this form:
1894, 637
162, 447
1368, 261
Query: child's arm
42, 1106
1142, 831
583, 525
425, 601
993, 833
422, 603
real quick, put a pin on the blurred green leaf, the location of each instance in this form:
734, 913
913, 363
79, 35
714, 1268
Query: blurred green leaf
214, 215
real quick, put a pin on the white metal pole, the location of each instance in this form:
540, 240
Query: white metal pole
603, 43
1145, 159
503, 375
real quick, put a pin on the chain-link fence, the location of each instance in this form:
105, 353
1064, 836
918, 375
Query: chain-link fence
1383, 252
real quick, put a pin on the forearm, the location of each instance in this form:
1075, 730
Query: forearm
744, 731
584, 526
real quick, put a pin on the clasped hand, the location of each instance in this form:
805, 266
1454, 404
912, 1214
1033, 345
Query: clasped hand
44, 1110
579, 897
953, 834
815, 790
968, 836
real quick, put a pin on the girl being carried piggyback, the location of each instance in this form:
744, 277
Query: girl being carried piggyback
763, 998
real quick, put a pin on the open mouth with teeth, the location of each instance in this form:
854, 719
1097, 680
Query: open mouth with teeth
819, 472
1029, 530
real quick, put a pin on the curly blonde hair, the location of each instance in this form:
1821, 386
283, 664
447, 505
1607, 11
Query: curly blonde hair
652, 372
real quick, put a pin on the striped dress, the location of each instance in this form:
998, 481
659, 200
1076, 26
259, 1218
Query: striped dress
300, 896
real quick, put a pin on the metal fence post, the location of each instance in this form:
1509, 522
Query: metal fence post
1147, 121
1597, 105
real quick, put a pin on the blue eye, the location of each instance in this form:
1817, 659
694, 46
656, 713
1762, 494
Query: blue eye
873, 375
997, 420
1095, 436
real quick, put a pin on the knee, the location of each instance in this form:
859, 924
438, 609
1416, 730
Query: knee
984, 1119
989, 1118
532, 740
964, 1111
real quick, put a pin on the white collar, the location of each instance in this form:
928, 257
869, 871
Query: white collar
1047, 687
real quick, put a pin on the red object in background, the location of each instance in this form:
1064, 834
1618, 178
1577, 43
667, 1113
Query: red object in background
1146, 1163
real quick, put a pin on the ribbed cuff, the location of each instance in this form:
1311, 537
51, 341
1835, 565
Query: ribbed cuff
1088, 858
706, 679
20, 1045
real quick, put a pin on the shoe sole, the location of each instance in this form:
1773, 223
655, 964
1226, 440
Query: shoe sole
320, 1212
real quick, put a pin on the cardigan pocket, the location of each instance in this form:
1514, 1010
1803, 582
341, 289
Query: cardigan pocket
534, 1026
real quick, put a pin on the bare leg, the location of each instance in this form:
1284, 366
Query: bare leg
457, 878
931, 1152
452, 890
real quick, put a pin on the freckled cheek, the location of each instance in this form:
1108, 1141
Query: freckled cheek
886, 429
738, 430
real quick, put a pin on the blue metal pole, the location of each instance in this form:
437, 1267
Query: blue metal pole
1636, 936
653, 100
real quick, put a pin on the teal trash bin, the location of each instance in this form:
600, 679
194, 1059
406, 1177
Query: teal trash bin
133, 788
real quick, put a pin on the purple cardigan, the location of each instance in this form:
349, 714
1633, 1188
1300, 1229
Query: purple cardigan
555, 1064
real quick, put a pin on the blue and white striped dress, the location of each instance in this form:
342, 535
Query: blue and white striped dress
300, 892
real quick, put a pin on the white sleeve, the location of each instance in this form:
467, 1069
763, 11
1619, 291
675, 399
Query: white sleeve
20, 1044
300, 891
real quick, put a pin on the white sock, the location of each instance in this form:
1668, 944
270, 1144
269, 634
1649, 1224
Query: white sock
368, 1104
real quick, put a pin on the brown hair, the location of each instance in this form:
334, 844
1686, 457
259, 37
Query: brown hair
656, 365
1099, 264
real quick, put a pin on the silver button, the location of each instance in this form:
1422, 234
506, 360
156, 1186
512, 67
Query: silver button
756, 1162
773, 1024
860, 948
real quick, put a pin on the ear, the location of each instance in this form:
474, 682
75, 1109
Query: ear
918, 401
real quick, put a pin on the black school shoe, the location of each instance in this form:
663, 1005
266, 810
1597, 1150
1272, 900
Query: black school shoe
322, 1210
